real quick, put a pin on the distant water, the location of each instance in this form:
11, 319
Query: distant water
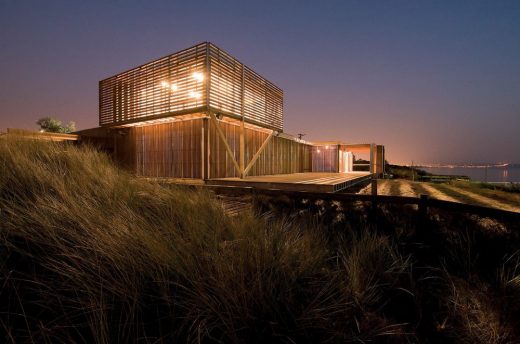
494, 174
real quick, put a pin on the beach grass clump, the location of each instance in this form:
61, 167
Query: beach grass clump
89, 253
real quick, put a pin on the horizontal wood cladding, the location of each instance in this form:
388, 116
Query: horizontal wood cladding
170, 84
169, 150
237, 89
191, 80
280, 155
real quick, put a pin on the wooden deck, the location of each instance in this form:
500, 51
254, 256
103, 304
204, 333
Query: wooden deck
312, 181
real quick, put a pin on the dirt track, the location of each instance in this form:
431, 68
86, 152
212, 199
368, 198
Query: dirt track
447, 192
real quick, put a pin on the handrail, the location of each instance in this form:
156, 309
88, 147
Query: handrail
425, 201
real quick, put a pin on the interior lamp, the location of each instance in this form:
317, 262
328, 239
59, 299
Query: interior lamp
198, 76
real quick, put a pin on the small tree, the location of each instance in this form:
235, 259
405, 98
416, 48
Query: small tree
53, 125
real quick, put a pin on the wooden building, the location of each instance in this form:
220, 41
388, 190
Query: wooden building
202, 114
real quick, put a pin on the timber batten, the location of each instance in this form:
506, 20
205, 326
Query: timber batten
200, 78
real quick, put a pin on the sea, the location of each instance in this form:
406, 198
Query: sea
491, 174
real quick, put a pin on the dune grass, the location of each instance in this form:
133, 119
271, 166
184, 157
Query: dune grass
90, 254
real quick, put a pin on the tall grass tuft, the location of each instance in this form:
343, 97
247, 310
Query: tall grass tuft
88, 253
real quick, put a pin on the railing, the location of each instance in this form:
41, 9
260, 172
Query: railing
423, 202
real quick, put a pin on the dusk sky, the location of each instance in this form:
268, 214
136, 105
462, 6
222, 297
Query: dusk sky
434, 81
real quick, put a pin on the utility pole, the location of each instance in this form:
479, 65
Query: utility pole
413, 173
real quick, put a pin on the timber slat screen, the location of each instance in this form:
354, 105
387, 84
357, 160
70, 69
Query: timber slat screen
237, 89
187, 82
168, 85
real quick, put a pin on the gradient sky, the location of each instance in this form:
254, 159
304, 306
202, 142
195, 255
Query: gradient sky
434, 81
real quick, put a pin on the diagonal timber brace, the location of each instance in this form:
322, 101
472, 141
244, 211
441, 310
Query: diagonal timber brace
257, 154
225, 142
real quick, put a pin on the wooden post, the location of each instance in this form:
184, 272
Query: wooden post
374, 197
423, 204
202, 151
242, 156
374, 186
242, 153
371, 162
208, 148
422, 211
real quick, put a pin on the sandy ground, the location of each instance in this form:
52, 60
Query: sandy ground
436, 193
399, 187
486, 200
384, 187
405, 189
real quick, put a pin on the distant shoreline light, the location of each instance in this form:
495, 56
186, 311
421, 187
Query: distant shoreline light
505, 165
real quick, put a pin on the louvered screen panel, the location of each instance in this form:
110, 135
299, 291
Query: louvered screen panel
168, 85
226, 82
178, 83
238, 90
263, 101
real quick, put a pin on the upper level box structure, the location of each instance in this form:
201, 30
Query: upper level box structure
199, 79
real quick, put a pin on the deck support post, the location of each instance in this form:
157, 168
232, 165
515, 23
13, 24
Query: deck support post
422, 213
242, 127
242, 159
372, 160
374, 186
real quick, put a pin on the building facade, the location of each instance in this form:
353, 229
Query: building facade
202, 114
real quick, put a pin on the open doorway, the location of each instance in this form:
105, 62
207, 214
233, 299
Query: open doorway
346, 161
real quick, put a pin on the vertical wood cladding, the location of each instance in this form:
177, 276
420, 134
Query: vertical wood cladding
281, 155
168, 150
175, 150
190, 81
